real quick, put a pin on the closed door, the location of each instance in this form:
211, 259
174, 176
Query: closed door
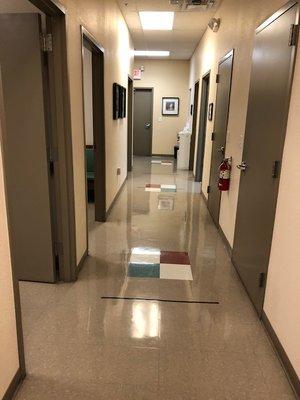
202, 127
25, 147
220, 133
272, 63
193, 137
142, 127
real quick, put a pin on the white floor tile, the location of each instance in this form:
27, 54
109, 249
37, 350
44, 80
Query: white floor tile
152, 189
176, 271
168, 186
145, 258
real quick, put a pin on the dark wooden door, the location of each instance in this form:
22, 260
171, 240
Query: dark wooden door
142, 128
25, 147
194, 127
202, 127
272, 66
220, 133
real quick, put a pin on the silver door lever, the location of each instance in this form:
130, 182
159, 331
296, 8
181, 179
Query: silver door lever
147, 126
242, 166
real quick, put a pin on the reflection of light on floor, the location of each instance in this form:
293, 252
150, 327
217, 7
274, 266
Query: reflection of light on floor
145, 250
145, 320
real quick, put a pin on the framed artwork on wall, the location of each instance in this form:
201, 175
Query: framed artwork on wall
170, 106
119, 101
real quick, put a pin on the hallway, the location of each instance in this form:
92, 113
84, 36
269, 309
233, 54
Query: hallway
79, 345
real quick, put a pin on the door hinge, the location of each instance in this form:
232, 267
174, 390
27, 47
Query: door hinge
58, 248
213, 136
208, 189
218, 78
276, 169
53, 157
46, 42
262, 276
294, 31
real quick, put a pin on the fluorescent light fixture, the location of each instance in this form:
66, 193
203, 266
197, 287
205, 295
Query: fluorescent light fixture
157, 20
151, 53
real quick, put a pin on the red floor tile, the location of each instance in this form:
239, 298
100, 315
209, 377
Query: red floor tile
174, 257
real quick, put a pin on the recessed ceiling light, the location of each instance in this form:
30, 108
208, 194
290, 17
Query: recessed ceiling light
157, 20
151, 53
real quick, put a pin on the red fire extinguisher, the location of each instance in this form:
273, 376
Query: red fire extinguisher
224, 177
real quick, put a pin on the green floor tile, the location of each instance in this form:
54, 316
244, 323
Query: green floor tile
143, 270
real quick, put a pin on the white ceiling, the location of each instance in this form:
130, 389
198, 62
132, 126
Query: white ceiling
189, 26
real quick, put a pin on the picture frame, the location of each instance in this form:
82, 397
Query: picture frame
116, 101
119, 101
170, 106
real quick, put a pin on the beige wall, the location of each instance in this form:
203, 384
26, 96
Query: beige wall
9, 358
103, 19
169, 79
239, 20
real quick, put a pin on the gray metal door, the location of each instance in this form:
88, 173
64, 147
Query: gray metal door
25, 147
194, 127
272, 66
220, 133
142, 126
202, 127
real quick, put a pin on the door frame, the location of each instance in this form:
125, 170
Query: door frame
194, 126
62, 137
224, 58
152, 106
202, 129
261, 27
130, 123
88, 40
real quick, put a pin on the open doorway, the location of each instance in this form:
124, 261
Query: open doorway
36, 158
93, 99
202, 126
194, 127
129, 124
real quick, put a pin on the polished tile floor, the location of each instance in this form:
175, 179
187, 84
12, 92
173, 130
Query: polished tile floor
83, 344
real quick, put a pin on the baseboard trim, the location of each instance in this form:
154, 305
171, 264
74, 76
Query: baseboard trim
14, 385
81, 262
204, 198
283, 357
163, 155
116, 198
225, 241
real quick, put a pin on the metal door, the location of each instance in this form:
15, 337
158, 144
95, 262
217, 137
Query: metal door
202, 127
142, 130
25, 147
220, 132
194, 127
272, 66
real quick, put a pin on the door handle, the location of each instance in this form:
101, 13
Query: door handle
243, 166
148, 125
221, 149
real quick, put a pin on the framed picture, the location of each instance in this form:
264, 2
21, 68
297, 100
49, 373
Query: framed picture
116, 101
119, 101
210, 111
170, 106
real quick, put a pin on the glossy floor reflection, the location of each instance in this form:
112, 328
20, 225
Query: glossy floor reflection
80, 346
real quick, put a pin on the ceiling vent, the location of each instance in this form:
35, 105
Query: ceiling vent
196, 5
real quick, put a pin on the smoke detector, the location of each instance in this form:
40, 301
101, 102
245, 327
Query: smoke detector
197, 5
